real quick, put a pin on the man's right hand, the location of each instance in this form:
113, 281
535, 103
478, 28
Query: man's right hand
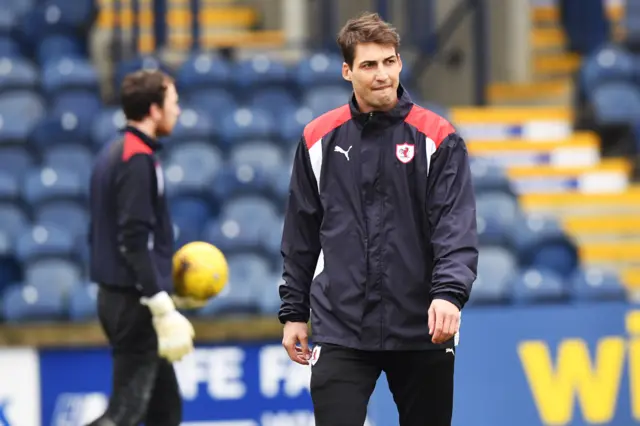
294, 333
175, 332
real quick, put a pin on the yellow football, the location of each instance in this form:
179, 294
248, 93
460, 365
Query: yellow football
200, 270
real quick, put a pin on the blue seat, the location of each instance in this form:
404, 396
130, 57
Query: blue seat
247, 273
15, 160
189, 214
539, 286
291, 124
263, 155
497, 268
239, 181
84, 104
611, 63
70, 216
269, 300
192, 166
44, 241
279, 184
272, 238
597, 284
9, 47
12, 13
541, 243
58, 129
616, 103
203, 71
249, 207
56, 46
273, 100
500, 205
235, 235
9, 186
72, 157
215, 100
488, 177
106, 126
319, 69
13, 219
324, 99
259, 72
69, 74
46, 184
51, 272
25, 303
17, 74
193, 124
83, 302
246, 124
20, 110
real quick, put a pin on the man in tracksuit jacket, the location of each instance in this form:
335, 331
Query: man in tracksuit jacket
379, 243
131, 246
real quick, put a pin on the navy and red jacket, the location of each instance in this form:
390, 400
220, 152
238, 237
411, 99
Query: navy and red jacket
380, 220
131, 232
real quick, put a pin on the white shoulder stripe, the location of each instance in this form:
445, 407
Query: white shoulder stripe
315, 154
430, 147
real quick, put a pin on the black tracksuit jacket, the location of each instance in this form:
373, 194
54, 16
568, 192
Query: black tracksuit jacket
380, 220
131, 232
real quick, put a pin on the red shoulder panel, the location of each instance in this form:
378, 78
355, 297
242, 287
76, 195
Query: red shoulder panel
318, 128
132, 146
429, 123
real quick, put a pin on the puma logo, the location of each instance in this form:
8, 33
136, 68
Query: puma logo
342, 151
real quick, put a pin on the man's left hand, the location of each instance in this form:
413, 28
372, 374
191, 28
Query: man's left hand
444, 320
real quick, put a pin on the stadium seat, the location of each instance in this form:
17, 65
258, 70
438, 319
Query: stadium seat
190, 215
541, 243
83, 302
52, 272
17, 74
616, 103
539, 286
324, 99
106, 126
319, 69
10, 267
9, 47
258, 72
13, 219
20, 110
9, 186
260, 155
12, 13
43, 242
191, 167
269, 295
145, 62
69, 74
597, 284
46, 184
215, 100
25, 303
203, 71
279, 184
55, 129
193, 123
66, 215
56, 46
71, 157
249, 206
239, 181
245, 124
83, 104
16, 160
497, 268
611, 63
488, 177
273, 100
291, 124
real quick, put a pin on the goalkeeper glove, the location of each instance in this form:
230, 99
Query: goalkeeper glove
175, 332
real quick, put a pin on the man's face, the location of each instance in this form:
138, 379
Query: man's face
168, 116
375, 76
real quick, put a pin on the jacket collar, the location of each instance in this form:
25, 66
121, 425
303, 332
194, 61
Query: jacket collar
146, 139
383, 118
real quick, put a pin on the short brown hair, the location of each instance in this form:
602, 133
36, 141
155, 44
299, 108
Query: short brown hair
140, 90
367, 28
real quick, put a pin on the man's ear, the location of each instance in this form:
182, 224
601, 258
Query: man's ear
346, 71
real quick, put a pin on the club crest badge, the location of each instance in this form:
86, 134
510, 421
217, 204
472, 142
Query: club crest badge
405, 152
315, 354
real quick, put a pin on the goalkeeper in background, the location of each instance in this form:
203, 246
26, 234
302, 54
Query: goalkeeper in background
131, 245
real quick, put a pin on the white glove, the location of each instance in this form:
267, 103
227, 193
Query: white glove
188, 302
175, 332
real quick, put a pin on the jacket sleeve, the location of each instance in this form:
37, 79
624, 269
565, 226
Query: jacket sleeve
135, 186
300, 239
451, 210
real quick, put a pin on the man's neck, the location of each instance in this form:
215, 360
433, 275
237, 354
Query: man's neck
366, 108
145, 127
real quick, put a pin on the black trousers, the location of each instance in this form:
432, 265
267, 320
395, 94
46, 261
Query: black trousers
145, 387
421, 382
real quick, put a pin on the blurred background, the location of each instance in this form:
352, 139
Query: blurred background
546, 94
